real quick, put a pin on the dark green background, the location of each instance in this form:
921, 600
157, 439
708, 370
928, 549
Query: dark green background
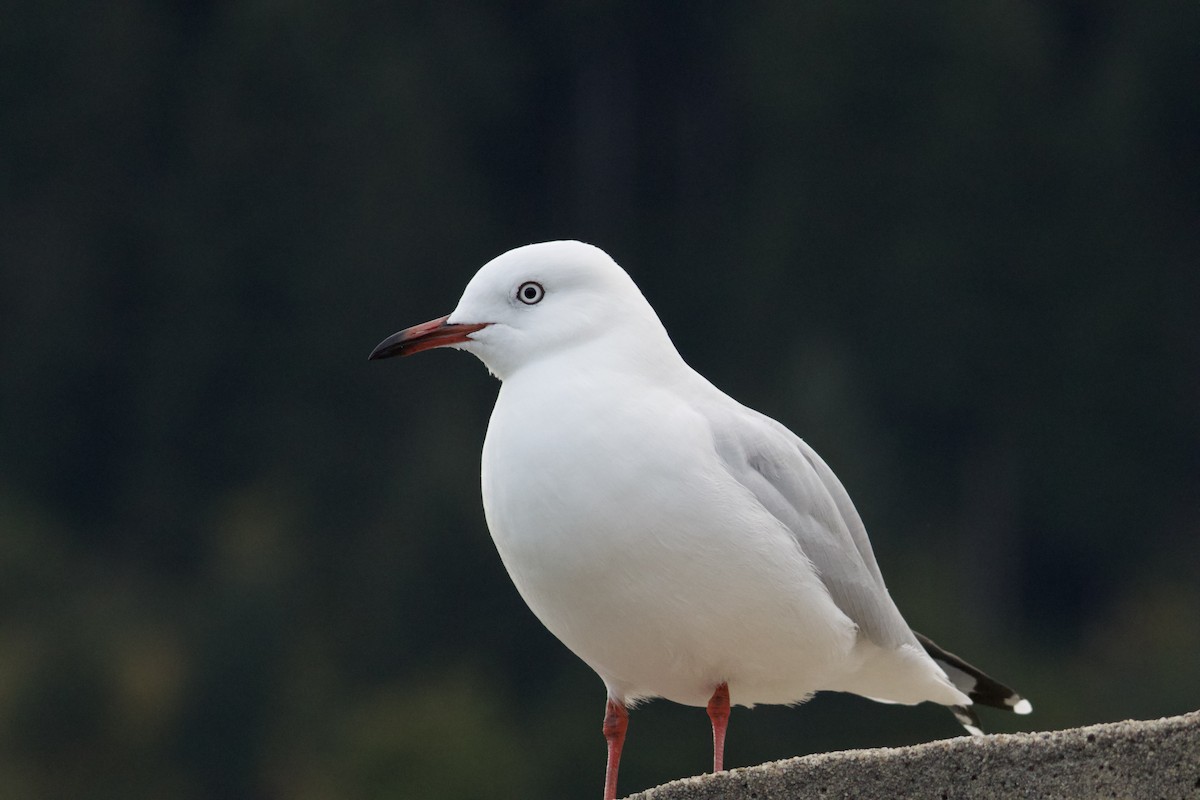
953, 245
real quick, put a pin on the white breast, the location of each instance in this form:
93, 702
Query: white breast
630, 543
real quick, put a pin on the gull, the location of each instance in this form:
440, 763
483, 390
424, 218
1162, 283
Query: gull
683, 545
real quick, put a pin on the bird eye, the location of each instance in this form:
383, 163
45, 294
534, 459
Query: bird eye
530, 292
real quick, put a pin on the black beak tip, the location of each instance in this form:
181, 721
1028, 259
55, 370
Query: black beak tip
386, 349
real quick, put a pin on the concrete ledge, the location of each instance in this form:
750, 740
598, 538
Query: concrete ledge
1157, 759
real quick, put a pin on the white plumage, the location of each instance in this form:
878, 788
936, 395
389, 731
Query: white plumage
672, 538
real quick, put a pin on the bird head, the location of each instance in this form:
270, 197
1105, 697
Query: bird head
534, 302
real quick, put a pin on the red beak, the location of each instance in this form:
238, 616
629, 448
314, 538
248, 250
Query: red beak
426, 336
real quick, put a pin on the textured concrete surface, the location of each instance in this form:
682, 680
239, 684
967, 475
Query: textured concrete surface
1156, 760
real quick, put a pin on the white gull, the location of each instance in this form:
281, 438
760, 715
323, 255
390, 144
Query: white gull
681, 544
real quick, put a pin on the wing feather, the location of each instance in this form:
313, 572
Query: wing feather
791, 481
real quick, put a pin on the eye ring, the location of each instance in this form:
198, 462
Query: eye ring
530, 293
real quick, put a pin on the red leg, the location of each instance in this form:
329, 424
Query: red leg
616, 720
718, 712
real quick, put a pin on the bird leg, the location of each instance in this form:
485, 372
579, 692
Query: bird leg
616, 720
718, 712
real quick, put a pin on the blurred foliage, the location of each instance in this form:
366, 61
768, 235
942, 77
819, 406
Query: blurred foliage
955, 246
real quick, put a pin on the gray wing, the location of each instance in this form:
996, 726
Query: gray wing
791, 481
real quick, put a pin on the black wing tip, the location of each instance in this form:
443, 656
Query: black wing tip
990, 692
983, 689
967, 717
